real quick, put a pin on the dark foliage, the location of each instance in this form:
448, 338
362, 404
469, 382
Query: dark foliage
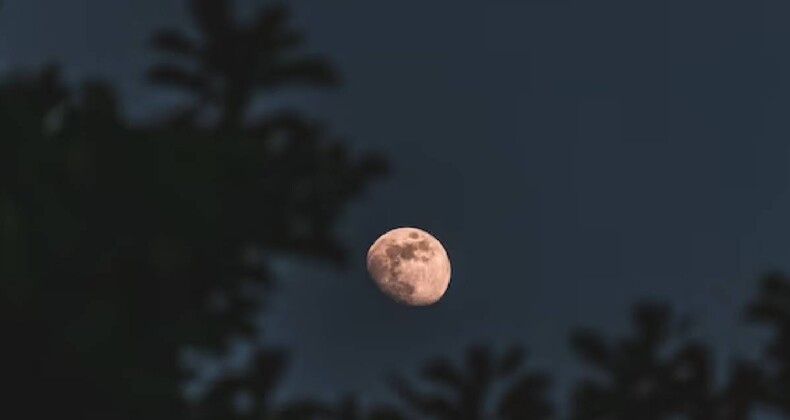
118, 240
772, 308
465, 392
231, 62
657, 373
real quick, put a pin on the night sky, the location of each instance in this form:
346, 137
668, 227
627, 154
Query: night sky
572, 156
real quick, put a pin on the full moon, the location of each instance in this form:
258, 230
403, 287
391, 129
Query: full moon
410, 266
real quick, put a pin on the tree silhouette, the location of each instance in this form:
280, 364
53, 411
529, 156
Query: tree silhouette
772, 307
466, 391
658, 373
121, 244
231, 62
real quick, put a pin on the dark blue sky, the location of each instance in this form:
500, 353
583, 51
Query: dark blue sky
573, 156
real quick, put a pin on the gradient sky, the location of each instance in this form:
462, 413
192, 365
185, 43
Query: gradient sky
573, 156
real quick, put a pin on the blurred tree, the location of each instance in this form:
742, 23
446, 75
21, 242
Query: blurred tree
772, 308
657, 374
465, 393
122, 244
231, 62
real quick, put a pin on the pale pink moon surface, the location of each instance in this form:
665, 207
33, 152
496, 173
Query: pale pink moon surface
410, 266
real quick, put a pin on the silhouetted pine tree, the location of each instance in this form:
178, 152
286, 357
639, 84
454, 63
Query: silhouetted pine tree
122, 244
231, 62
465, 392
657, 373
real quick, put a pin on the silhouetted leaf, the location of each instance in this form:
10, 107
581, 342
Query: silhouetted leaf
511, 360
174, 42
213, 17
592, 348
173, 76
479, 361
442, 372
382, 413
427, 404
652, 321
526, 399
311, 72
273, 16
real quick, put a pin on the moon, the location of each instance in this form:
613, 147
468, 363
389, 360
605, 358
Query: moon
410, 266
